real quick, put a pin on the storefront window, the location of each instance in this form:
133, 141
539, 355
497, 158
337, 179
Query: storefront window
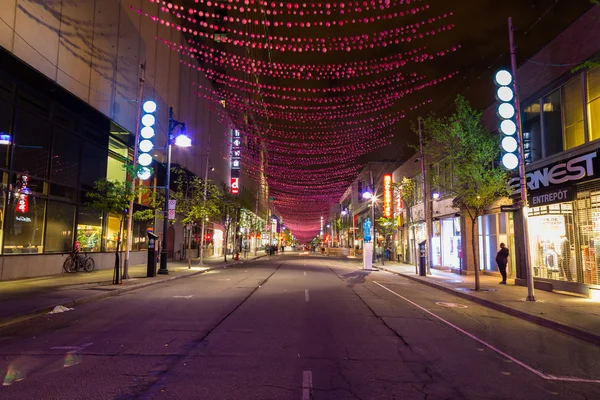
113, 231
59, 227
115, 171
588, 237
573, 113
553, 126
24, 226
93, 162
551, 241
593, 105
6, 111
140, 238
451, 241
436, 243
89, 229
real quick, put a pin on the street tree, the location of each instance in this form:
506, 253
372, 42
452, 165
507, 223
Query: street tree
470, 151
408, 195
386, 227
113, 198
226, 211
191, 203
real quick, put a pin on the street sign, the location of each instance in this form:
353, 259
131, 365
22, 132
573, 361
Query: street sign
171, 214
511, 208
172, 204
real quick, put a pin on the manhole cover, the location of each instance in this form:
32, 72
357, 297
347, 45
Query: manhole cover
450, 305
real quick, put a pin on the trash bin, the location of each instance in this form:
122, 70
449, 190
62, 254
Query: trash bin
422, 258
152, 238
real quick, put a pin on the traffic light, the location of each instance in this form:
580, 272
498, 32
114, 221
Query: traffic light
506, 112
146, 145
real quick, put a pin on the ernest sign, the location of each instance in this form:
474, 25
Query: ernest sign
578, 168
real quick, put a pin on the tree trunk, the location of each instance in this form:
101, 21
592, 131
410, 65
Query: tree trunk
117, 271
475, 264
226, 234
189, 248
414, 250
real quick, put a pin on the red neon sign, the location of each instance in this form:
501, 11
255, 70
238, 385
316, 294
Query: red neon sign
387, 195
235, 185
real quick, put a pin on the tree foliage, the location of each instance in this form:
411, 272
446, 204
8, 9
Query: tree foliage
470, 151
226, 207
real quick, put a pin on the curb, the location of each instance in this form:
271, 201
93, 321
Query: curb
545, 322
99, 296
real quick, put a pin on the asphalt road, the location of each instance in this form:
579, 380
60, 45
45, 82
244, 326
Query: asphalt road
292, 327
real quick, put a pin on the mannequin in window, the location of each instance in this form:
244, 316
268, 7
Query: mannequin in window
565, 257
552, 259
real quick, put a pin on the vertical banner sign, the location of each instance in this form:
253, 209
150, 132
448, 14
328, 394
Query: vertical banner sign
387, 195
235, 185
236, 161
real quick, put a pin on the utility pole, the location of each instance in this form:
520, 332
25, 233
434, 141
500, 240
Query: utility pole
522, 177
426, 213
133, 178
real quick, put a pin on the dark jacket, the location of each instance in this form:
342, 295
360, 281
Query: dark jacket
502, 256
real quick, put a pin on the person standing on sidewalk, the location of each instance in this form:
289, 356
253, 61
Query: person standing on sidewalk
502, 260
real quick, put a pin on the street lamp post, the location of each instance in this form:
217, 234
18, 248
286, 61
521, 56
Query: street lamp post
181, 141
204, 219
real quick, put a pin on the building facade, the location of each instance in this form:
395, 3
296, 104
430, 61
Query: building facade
69, 84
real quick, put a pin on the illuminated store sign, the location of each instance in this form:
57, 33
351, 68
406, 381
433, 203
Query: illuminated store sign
552, 196
235, 185
236, 161
387, 196
578, 168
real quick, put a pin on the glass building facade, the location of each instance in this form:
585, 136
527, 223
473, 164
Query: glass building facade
53, 148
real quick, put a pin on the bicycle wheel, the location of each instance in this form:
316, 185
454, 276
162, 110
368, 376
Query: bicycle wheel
70, 264
88, 264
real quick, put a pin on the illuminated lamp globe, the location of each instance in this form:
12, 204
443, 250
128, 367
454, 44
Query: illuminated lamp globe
508, 127
510, 161
149, 106
509, 144
183, 141
367, 195
505, 93
148, 120
145, 159
144, 173
503, 78
147, 132
506, 110
146, 146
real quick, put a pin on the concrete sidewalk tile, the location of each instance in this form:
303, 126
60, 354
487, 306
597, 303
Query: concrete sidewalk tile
587, 335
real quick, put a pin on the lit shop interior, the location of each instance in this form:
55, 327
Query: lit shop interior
565, 239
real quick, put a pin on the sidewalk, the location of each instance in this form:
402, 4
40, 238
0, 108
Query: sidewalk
27, 298
572, 315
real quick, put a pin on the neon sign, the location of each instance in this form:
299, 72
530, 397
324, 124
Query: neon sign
387, 195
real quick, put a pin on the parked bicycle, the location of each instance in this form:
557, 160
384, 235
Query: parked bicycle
77, 261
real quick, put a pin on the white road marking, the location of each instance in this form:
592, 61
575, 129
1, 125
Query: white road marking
306, 384
72, 349
184, 297
224, 279
304, 273
541, 374
306, 295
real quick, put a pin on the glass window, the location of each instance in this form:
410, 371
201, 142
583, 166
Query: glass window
93, 164
593, 98
552, 122
89, 229
532, 133
65, 158
6, 111
502, 223
113, 231
31, 144
59, 227
60, 192
115, 170
24, 227
572, 99
140, 238
3, 193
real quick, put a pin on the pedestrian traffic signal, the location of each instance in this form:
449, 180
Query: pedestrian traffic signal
145, 144
508, 127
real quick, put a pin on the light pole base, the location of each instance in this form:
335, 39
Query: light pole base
163, 271
530, 298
